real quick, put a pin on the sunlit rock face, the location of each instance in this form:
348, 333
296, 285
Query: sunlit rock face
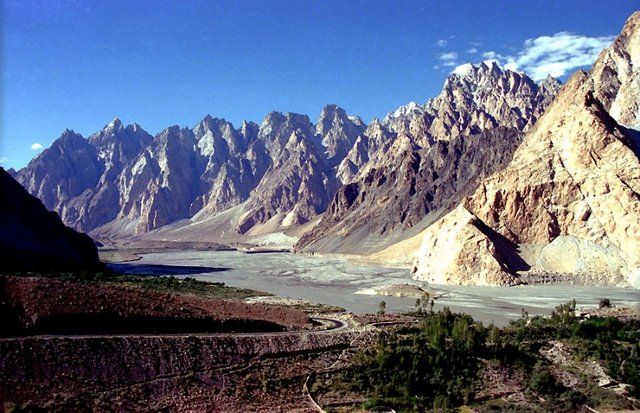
573, 185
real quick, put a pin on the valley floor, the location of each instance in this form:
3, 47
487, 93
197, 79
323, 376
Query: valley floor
359, 287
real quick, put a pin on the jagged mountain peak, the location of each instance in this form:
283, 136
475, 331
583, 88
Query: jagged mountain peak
116, 129
218, 136
249, 130
69, 134
135, 128
479, 75
331, 114
338, 132
477, 97
357, 120
485, 67
214, 125
376, 123
277, 117
174, 133
410, 109
615, 78
68, 142
210, 122
550, 85
331, 108
116, 123
474, 97
247, 124
275, 131
490, 71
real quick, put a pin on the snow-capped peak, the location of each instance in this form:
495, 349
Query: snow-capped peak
405, 110
463, 69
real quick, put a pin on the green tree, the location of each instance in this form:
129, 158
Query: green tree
382, 307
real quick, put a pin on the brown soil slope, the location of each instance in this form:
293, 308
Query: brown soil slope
33, 305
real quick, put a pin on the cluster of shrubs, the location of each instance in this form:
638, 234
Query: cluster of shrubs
437, 365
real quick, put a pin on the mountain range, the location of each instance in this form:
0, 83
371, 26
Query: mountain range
496, 176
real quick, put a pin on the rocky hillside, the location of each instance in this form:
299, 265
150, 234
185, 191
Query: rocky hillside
569, 201
33, 238
416, 165
395, 199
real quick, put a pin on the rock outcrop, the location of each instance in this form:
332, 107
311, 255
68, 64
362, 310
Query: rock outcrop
573, 185
79, 178
158, 186
297, 184
421, 186
339, 132
460, 249
476, 98
33, 238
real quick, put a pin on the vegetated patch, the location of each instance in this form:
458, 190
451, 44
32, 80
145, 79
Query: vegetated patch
452, 361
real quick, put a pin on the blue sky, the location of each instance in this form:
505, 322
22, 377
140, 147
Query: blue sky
78, 63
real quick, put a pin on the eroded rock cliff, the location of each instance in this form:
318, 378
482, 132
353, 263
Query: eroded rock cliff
573, 185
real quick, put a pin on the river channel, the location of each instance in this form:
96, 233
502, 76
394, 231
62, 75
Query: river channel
337, 281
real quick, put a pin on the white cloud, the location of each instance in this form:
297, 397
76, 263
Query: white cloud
441, 43
36, 146
555, 55
490, 55
449, 56
473, 50
449, 59
3, 160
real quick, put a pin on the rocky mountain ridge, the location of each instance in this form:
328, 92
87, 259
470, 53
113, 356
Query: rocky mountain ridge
421, 160
272, 177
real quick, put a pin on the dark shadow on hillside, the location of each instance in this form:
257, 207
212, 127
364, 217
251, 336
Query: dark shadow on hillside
507, 250
157, 269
